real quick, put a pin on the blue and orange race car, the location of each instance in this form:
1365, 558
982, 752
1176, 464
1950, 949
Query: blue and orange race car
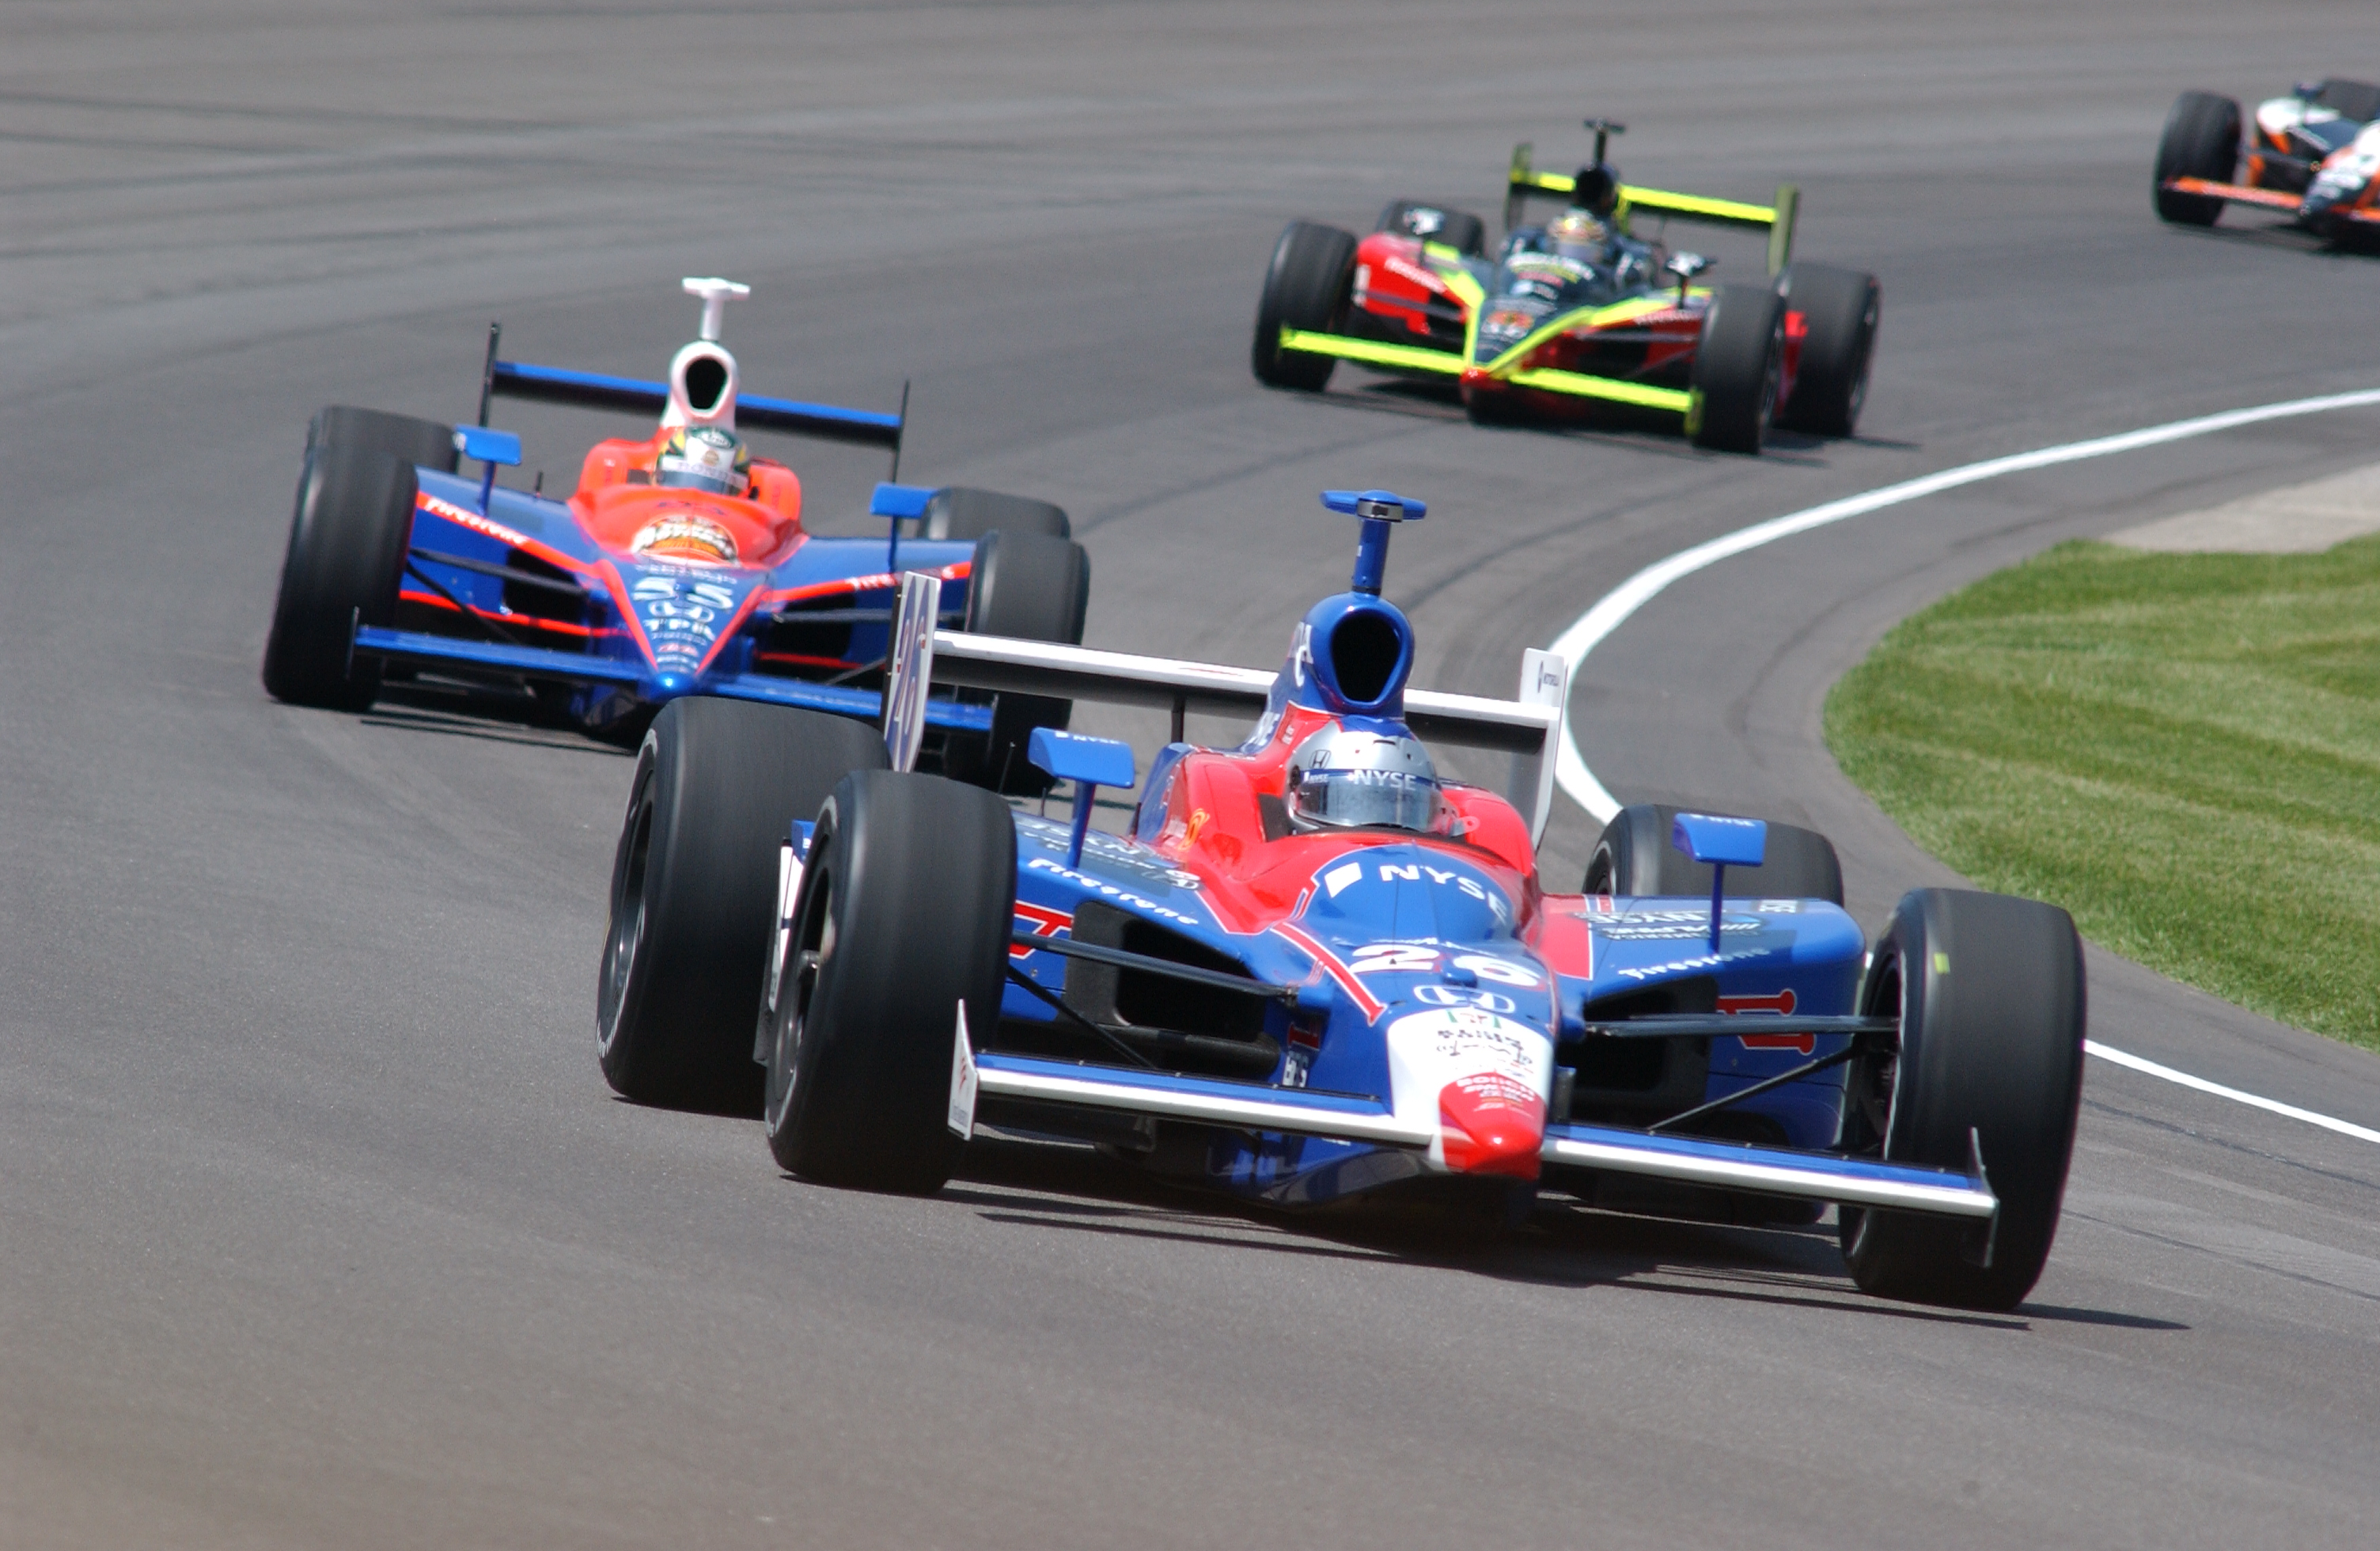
680, 566
1311, 969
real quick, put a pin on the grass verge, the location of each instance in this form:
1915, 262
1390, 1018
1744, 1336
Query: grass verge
2183, 750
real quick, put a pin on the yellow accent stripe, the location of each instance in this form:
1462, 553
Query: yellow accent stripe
1553, 183
1728, 211
1466, 290
1590, 317
1680, 400
1404, 357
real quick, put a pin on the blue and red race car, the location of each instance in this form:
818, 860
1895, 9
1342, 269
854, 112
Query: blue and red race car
679, 565
1311, 969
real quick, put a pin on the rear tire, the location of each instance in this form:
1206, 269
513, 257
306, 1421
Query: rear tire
1307, 287
693, 886
2201, 140
1030, 587
957, 512
1989, 990
904, 916
1459, 230
1840, 307
1634, 858
1737, 368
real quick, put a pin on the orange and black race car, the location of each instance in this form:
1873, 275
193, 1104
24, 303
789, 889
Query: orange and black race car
1579, 315
2314, 155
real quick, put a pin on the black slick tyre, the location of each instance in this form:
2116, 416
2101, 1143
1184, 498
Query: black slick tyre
2201, 140
960, 511
1458, 229
1736, 369
1839, 308
902, 917
1305, 287
1633, 858
1030, 587
406, 438
341, 567
1989, 992
694, 889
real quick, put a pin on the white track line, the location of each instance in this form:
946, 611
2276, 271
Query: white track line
2125, 1057
1587, 633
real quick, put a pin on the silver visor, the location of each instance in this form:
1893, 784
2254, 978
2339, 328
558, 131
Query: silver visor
1357, 797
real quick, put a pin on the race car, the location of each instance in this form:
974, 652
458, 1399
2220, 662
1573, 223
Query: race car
680, 566
1579, 316
1312, 969
2314, 155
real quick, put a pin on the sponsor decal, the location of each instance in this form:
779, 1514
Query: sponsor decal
1415, 274
1777, 1002
470, 519
1108, 890
1465, 996
964, 1081
1041, 921
685, 537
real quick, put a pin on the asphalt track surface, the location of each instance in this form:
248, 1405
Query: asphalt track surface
317, 1224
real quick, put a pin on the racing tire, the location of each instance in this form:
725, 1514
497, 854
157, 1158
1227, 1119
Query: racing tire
1839, 308
694, 881
1306, 287
1634, 858
343, 563
1989, 991
406, 437
958, 511
902, 918
1737, 368
1030, 587
1458, 229
2201, 140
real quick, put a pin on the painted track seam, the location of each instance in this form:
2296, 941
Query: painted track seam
1587, 632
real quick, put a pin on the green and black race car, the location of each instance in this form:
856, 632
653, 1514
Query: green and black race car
1579, 315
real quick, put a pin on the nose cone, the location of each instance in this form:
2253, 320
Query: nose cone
1492, 1123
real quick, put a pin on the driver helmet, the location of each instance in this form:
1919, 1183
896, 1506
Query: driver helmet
705, 458
1343, 777
1578, 235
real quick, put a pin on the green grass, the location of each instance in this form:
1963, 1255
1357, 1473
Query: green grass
2183, 750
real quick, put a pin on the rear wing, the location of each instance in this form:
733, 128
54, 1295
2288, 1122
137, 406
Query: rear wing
1524, 183
588, 390
1528, 727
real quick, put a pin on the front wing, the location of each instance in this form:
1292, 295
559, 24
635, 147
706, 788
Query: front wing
1691, 1160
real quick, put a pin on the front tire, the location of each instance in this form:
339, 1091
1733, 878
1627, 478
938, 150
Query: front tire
1737, 368
2201, 140
904, 918
1840, 307
345, 556
961, 513
1306, 287
1989, 992
694, 881
1634, 858
1028, 586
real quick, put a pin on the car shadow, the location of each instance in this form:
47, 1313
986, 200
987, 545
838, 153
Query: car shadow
1562, 1244
489, 719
